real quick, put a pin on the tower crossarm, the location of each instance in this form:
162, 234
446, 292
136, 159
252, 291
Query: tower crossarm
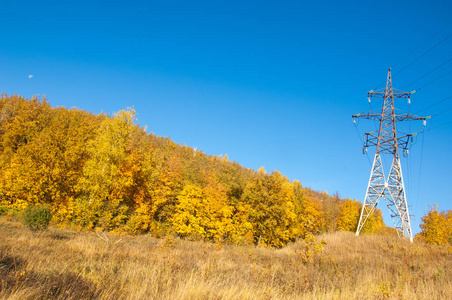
387, 143
384, 93
397, 117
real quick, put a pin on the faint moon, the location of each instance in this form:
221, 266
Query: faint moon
30, 76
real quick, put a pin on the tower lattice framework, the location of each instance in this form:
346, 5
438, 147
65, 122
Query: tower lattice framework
387, 143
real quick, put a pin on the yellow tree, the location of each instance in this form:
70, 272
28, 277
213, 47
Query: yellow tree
349, 212
449, 225
22, 121
435, 226
374, 223
166, 188
219, 224
190, 213
330, 205
140, 167
272, 214
310, 216
43, 153
241, 227
202, 212
107, 175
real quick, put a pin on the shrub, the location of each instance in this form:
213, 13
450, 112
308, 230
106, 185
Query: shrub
3, 210
37, 218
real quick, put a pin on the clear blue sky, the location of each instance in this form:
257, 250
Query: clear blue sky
270, 83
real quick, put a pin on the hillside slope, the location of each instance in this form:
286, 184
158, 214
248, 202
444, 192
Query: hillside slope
106, 172
63, 264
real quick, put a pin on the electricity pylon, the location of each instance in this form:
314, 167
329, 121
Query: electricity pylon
387, 143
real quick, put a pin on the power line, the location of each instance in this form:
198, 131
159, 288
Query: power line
441, 112
436, 103
421, 44
439, 125
414, 50
425, 53
444, 63
420, 167
434, 80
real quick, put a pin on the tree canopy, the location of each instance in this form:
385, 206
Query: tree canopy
105, 172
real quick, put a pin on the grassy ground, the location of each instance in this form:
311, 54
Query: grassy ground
63, 264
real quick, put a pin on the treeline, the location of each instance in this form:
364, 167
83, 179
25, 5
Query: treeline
105, 172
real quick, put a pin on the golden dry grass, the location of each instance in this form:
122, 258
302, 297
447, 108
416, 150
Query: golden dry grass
64, 264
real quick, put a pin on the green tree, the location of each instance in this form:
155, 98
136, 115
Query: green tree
37, 218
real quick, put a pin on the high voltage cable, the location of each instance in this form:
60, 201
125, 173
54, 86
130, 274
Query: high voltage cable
441, 112
439, 125
442, 124
414, 50
423, 76
420, 167
425, 53
444, 63
418, 89
436, 103
421, 44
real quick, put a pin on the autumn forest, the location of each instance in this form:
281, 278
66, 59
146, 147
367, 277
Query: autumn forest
105, 172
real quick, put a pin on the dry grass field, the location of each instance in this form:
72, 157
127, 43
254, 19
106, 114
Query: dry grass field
65, 264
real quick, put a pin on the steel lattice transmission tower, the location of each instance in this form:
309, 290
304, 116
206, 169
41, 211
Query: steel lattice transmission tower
387, 143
